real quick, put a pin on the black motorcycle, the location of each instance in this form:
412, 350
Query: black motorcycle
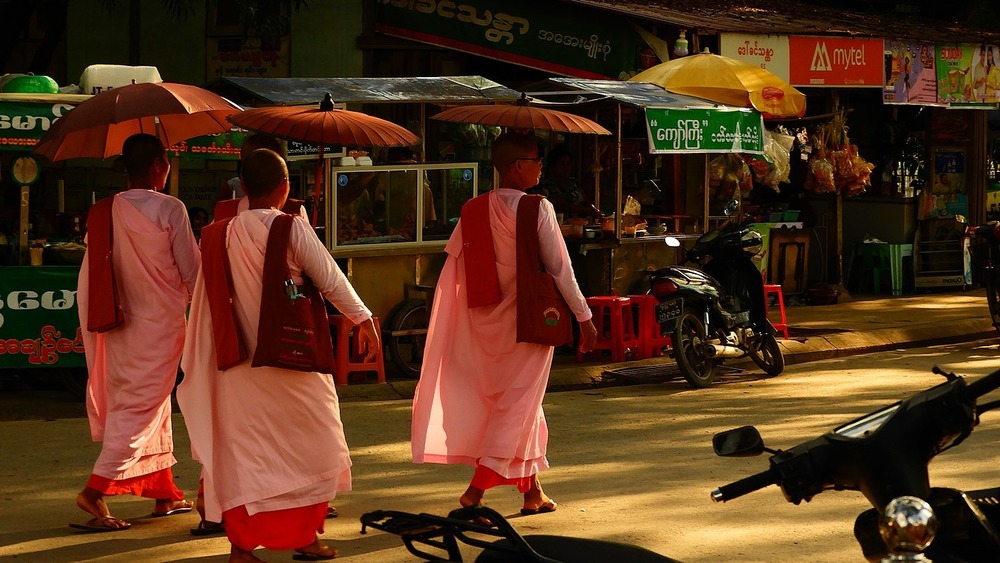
718, 311
990, 234
884, 455
436, 538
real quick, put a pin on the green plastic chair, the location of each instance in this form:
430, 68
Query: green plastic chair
870, 261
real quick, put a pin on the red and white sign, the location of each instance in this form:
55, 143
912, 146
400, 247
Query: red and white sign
835, 61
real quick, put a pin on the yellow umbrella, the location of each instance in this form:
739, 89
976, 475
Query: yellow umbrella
727, 81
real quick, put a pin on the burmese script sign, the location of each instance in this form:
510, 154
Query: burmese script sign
708, 130
22, 124
39, 323
585, 43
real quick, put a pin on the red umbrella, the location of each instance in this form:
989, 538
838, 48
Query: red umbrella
522, 116
324, 126
98, 127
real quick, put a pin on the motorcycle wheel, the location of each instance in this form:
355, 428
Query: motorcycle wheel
697, 369
993, 295
767, 355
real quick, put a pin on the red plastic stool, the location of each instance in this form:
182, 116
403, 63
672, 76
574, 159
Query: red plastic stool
615, 326
350, 356
775, 289
651, 337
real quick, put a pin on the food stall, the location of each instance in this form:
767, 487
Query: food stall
38, 318
387, 216
651, 178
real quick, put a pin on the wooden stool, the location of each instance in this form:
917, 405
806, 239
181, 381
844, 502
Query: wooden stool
350, 356
651, 337
615, 326
775, 289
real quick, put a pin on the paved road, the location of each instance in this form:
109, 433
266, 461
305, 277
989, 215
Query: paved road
630, 463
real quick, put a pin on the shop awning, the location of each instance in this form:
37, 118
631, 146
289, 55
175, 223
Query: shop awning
639, 94
675, 124
423, 89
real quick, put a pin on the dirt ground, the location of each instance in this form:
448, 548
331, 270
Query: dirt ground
630, 463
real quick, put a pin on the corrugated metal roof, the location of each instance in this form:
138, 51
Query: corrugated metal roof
641, 94
785, 17
430, 89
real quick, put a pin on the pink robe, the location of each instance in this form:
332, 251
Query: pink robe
133, 368
479, 398
268, 439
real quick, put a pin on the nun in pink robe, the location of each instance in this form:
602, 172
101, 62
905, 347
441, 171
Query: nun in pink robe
479, 398
270, 440
133, 367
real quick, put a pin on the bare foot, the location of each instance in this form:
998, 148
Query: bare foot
471, 497
92, 502
316, 551
237, 555
536, 501
166, 507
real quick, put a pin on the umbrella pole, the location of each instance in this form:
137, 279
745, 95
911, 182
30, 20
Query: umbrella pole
319, 186
618, 173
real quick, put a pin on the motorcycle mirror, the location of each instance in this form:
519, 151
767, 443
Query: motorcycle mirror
730, 207
744, 441
672, 242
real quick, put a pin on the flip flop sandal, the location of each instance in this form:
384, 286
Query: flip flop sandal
94, 525
179, 510
331, 512
206, 528
541, 509
299, 556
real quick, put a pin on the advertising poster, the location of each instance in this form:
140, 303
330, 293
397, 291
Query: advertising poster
967, 74
910, 77
947, 196
835, 61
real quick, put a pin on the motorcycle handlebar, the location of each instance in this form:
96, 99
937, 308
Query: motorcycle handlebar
983, 385
745, 486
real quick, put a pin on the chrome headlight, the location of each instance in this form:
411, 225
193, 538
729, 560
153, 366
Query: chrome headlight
752, 242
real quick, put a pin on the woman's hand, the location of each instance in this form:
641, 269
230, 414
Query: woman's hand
371, 339
588, 336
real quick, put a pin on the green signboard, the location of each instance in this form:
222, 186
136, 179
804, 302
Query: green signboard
568, 40
39, 323
23, 123
224, 146
704, 130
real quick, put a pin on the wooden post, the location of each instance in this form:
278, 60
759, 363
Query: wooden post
175, 175
23, 243
618, 173
61, 188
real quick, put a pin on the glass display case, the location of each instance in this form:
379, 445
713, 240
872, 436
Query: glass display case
400, 205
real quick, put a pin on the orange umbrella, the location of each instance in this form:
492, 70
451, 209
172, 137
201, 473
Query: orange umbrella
98, 127
727, 81
324, 126
522, 116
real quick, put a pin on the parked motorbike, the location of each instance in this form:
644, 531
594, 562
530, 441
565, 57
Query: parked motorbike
990, 233
884, 455
717, 312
